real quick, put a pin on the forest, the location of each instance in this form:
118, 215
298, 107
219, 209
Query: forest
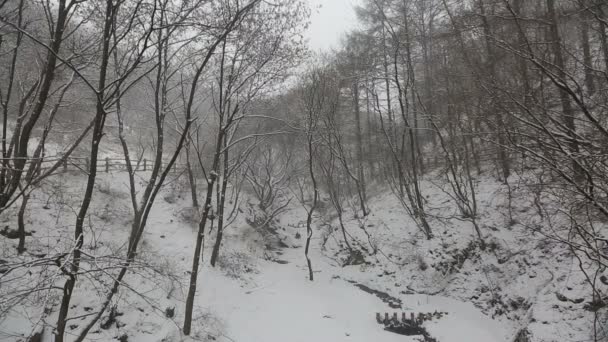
191, 170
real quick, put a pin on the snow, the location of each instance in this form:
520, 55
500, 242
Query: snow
261, 294
286, 306
329, 309
277, 302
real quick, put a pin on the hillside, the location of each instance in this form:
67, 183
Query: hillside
261, 293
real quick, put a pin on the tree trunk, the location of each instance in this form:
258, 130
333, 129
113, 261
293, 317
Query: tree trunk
560, 65
416, 149
523, 68
369, 143
427, 55
500, 123
21, 223
604, 36
7, 99
207, 214
587, 60
47, 77
100, 117
220, 206
198, 250
416, 199
313, 207
360, 171
197, 256
191, 178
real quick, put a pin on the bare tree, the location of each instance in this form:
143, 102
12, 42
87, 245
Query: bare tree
108, 89
226, 118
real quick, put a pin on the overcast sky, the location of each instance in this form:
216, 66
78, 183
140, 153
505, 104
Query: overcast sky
330, 21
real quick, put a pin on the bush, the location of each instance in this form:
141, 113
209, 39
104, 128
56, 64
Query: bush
235, 265
188, 215
422, 265
105, 187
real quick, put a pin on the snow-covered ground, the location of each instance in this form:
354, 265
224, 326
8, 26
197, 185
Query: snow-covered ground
260, 294
273, 300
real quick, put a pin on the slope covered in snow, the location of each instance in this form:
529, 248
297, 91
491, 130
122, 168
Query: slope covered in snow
261, 293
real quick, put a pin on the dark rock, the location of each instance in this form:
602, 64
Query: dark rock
37, 337
595, 305
12, 234
3, 269
392, 302
522, 336
407, 328
354, 258
111, 319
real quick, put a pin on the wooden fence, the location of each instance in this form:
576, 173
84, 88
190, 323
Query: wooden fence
106, 165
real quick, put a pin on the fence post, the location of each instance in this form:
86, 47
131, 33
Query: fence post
145, 163
107, 164
65, 164
87, 162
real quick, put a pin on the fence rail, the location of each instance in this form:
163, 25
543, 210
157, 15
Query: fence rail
104, 164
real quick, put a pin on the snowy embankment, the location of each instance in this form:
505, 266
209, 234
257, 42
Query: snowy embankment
256, 294
524, 278
263, 295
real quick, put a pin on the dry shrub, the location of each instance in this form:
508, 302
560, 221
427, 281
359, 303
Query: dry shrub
236, 265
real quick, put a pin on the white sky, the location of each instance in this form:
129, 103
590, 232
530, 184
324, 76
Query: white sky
329, 22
